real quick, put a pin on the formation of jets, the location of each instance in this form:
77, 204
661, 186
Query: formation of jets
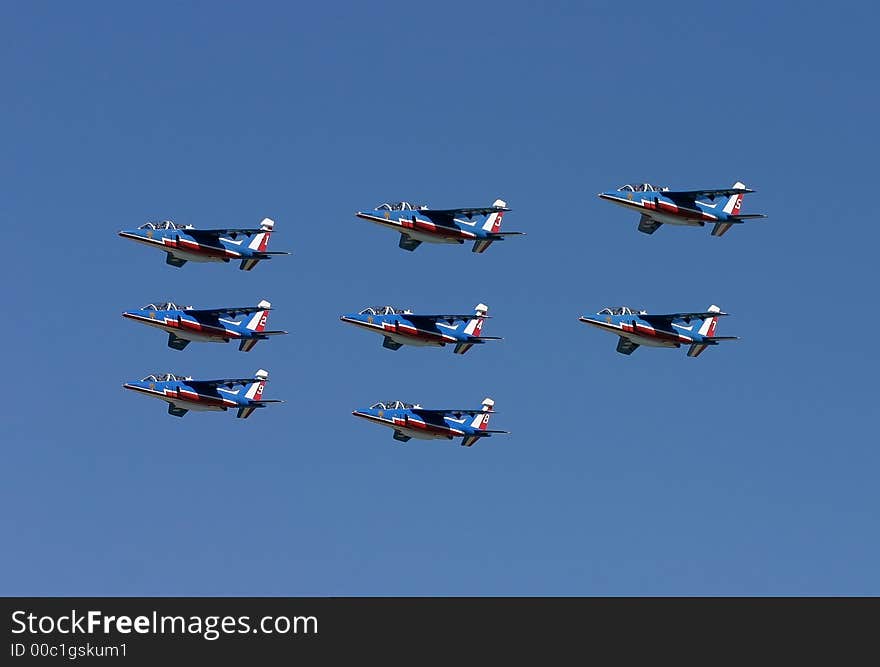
185, 324
398, 327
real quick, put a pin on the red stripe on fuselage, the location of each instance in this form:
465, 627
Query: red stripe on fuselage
207, 329
650, 332
195, 397
198, 248
641, 330
413, 332
426, 427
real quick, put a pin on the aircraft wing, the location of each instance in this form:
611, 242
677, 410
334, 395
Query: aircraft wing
446, 216
445, 318
427, 412
698, 194
231, 312
226, 382
214, 234
668, 317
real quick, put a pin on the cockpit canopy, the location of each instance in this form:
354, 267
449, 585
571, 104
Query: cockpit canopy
168, 305
164, 224
384, 310
642, 187
400, 206
392, 405
165, 377
621, 310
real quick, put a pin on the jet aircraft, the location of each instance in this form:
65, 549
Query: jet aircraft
185, 243
693, 208
418, 224
184, 394
413, 421
403, 327
697, 330
185, 324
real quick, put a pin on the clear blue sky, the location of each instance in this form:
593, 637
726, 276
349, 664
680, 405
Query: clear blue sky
751, 470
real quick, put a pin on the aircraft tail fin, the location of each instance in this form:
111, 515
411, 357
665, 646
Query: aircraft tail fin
257, 324
707, 331
474, 327
493, 221
709, 324
732, 207
735, 201
491, 225
254, 390
481, 421
258, 321
259, 243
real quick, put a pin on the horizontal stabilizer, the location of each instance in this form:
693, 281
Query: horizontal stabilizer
472, 438
247, 344
714, 340
745, 216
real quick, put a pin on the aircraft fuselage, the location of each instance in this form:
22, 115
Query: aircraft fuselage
687, 212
